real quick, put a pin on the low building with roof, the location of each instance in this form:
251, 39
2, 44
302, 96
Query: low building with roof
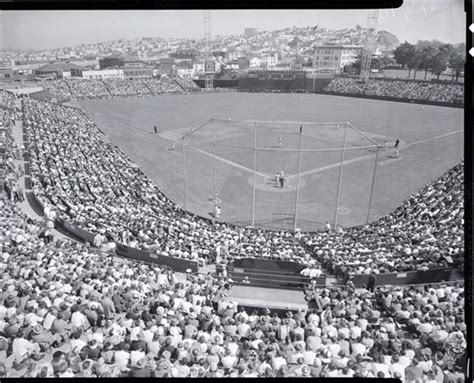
56, 70
120, 61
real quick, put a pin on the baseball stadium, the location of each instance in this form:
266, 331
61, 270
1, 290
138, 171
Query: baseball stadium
290, 226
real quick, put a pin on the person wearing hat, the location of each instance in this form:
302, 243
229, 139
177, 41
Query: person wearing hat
59, 362
42, 337
140, 370
107, 352
396, 368
181, 368
22, 347
60, 325
108, 306
91, 350
379, 365
122, 357
45, 370
414, 372
168, 348
12, 327
278, 361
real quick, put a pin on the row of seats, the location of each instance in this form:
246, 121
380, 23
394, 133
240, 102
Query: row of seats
411, 90
67, 310
79, 88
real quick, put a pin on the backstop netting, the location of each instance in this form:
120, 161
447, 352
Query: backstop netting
280, 175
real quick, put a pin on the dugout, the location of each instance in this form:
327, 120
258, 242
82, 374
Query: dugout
270, 273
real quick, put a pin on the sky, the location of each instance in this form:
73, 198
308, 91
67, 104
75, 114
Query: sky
443, 20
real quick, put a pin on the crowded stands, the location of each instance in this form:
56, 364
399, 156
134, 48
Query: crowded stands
64, 89
67, 310
7, 99
84, 89
10, 173
6, 118
73, 310
58, 88
186, 83
94, 185
411, 90
163, 85
124, 88
426, 232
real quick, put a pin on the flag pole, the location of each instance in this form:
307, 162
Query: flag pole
340, 175
298, 179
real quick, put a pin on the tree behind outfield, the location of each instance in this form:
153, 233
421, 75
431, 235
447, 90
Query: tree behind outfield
439, 63
456, 63
404, 55
426, 58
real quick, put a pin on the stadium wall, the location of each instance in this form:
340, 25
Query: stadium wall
218, 83
403, 278
177, 264
255, 84
81, 235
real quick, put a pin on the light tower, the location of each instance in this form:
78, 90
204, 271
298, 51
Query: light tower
369, 45
209, 65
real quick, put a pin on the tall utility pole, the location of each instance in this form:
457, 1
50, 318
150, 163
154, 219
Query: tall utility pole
208, 60
369, 44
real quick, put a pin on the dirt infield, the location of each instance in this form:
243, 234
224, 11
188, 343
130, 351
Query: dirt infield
432, 141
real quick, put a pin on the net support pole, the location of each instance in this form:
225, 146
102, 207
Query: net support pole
373, 184
298, 179
254, 168
214, 164
340, 176
185, 178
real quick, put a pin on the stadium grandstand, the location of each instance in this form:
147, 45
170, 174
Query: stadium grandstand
104, 276
434, 92
79, 88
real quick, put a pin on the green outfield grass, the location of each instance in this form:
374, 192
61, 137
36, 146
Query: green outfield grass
432, 142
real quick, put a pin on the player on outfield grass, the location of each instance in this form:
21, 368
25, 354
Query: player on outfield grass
397, 142
280, 142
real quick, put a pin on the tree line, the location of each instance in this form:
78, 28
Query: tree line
430, 56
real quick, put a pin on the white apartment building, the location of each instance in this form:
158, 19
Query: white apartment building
255, 62
102, 74
334, 57
185, 72
198, 68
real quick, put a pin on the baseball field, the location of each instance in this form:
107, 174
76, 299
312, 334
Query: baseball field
223, 129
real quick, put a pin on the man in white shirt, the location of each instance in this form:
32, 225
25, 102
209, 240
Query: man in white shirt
358, 348
229, 360
243, 329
